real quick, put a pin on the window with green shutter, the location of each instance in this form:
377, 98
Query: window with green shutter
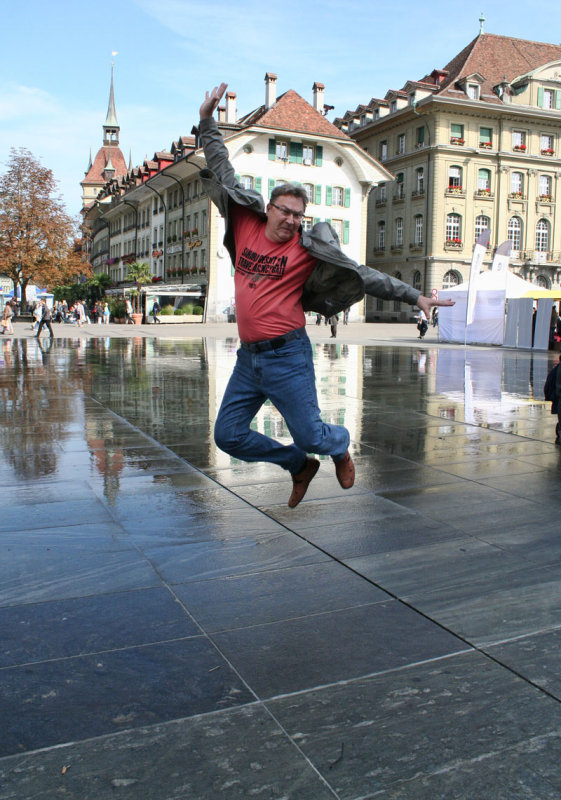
270, 186
558, 100
295, 152
346, 231
328, 195
318, 194
272, 150
316, 220
258, 185
319, 155
540, 96
347, 197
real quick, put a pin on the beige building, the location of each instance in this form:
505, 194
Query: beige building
474, 145
158, 213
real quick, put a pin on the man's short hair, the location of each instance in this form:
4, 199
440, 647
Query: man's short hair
290, 189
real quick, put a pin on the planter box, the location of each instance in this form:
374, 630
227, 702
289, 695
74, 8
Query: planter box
175, 319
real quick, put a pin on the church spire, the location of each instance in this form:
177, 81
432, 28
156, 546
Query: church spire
111, 126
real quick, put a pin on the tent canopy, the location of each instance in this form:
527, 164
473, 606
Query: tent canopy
495, 281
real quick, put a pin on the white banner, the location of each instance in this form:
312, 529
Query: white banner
476, 263
502, 257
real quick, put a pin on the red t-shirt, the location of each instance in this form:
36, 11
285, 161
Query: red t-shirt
268, 278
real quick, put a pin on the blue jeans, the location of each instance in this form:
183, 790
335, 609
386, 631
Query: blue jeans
286, 377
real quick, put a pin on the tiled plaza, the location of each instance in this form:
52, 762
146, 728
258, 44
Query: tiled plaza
171, 630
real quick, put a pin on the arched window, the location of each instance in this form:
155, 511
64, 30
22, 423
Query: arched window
542, 281
399, 232
514, 232
417, 281
418, 232
381, 235
452, 278
545, 187
542, 236
517, 183
453, 228
455, 179
482, 222
484, 180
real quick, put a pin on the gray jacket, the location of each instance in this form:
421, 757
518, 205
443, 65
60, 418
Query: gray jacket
337, 281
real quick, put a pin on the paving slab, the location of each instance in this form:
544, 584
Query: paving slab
169, 628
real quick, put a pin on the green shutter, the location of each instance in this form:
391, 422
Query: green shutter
328, 195
271, 186
347, 197
558, 101
316, 220
540, 96
296, 152
258, 185
346, 231
319, 155
272, 150
237, 177
328, 220
318, 195
420, 135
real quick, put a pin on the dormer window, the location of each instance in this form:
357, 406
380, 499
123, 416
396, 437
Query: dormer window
473, 91
376, 113
547, 98
393, 106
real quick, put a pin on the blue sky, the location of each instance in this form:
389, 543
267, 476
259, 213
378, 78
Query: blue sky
55, 62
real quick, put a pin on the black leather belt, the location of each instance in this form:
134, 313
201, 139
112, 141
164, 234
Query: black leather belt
273, 344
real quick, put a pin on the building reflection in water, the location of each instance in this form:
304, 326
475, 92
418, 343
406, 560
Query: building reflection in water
54, 398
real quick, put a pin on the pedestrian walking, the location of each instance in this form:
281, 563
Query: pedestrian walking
333, 322
155, 312
552, 392
106, 314
279, 273
422, 323
45, 320
128, 312
7, 315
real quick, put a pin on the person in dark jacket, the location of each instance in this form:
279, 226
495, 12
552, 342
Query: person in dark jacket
280, 272
45, 320
552, 392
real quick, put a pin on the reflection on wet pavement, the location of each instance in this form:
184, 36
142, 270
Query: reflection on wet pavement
152, 578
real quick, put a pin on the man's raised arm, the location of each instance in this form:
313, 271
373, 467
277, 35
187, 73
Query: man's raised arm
216, 152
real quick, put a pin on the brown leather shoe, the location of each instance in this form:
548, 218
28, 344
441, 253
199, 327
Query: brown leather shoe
301, 481
345, 471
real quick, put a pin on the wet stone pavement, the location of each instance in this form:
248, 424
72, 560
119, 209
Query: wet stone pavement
170, 629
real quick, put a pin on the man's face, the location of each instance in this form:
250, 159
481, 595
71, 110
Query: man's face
282, 223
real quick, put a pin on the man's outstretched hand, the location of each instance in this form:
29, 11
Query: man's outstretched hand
211, 101
426, 303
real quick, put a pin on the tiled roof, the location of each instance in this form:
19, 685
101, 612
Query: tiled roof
495, 57
292, 113
95, 173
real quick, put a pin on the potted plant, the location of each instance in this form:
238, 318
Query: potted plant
139, 273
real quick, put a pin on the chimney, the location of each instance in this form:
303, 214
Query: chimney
221, 114
230, 107
318, 89
270, 89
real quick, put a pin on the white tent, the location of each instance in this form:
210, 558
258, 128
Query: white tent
493, 289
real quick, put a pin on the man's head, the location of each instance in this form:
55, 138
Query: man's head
285, 211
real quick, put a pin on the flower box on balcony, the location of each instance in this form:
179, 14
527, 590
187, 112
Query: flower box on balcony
456, 140
456, 189
545, 198
547, 152
483, 192
517, 196
519, 147
486, 145
453, 243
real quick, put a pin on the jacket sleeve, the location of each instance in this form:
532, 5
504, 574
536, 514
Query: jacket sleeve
379, 284
216, 153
